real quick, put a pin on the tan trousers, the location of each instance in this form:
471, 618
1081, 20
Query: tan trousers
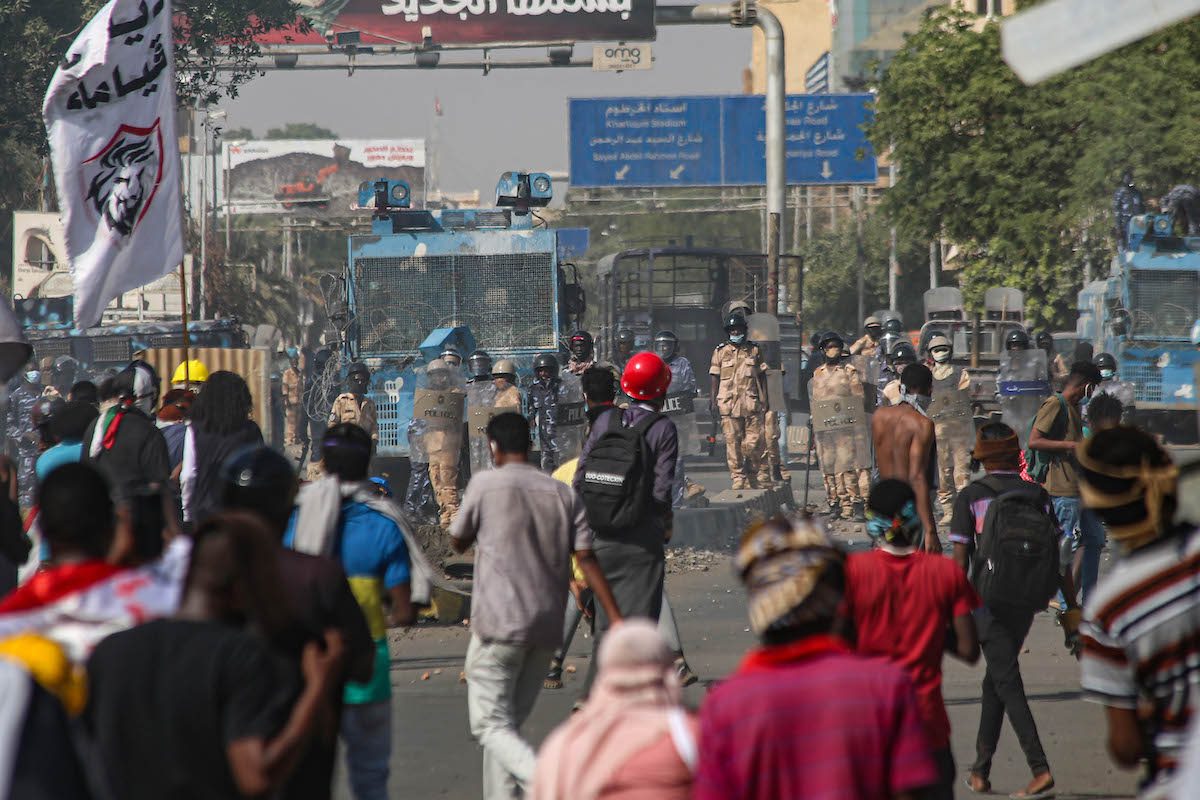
772, 451
954, 471
743, 449
293, 423
853, 487
444, 477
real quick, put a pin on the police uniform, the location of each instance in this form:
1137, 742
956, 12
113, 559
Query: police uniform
349, 407
292, 384
20, 422
444, 449
509, 397
737, 369
865, 346
953, 426
830, 381
543, 408
577, 367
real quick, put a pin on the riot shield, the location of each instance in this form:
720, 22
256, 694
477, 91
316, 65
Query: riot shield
840, 427
572, 421
681, 408
1022, 384
481, 407
951, 410
869, 370
1123, 391
436, 429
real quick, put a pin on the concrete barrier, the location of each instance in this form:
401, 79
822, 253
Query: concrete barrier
720, 526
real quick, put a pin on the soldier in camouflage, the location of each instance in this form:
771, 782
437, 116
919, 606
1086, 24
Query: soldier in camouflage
23, 440
292, 386
542, 401
443, 441
837, 378
739, 394
353, 405
504, 377
868, 345
953, 423
583, 352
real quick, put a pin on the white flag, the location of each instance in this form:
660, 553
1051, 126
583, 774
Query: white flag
110, 116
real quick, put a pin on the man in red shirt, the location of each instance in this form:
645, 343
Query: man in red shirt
901, 602
804, 716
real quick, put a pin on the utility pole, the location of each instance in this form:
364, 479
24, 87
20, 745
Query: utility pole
860, 251
933, 265
893, 258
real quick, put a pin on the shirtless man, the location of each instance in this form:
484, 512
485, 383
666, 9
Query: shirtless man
904, 444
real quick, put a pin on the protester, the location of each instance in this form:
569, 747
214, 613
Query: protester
84, 392
803, 716
1141, 634
124, 442
522, 570
14, 544
909, 607
633, 738
1056, 430
262, 482
196, 706
906, 447
1003, 627
80, 596
220, 426
68, 428
172, 421
1104, 411
630, 547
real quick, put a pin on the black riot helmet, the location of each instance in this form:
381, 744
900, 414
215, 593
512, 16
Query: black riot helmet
831, 337
43, 412
1105, 361
903, 354
1044, 340
666, 344
545, 363
1016, 339
736, 321
358, 376
893, 325
261, 481
582, 345
480, 365
625, 340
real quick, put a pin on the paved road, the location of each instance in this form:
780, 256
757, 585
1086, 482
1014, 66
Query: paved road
434, 756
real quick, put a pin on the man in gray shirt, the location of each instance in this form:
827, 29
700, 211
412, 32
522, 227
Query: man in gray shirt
525, 526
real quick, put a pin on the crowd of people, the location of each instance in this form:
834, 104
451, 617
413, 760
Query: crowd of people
183, 617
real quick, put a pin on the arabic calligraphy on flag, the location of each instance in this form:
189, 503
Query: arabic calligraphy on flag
110, 118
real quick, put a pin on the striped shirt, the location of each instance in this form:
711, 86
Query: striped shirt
1141, 641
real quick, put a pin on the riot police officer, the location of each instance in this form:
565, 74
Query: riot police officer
1112, 384
451, 356
504, 378
953, 423
291, 384
479, 367
583, 352
840, 426
868, 344
681, 395
22, 438
353, 405
542, 400
893, 332
683, 378
902, 354
624, 352
1016, 339
739, 394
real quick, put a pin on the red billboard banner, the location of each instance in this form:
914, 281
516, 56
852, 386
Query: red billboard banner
382, 22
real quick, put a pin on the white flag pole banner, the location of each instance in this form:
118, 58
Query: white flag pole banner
110, 116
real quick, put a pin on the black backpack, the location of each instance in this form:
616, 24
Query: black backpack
618, 476
1016, 563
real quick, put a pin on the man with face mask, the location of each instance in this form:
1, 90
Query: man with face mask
839, 423
543, 400
868, 344
739, 394
906, 445
353, 405
953, 422
22, 438
901, 355
124, 443
1112, 385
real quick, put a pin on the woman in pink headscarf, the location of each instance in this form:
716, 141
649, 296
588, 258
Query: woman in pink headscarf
633, 740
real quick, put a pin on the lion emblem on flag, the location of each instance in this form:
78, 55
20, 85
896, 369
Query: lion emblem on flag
123, 177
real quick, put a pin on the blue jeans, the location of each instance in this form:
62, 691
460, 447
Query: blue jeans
367, 734
1086, 531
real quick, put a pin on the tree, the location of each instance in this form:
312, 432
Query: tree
1021, 177
300, 130
237, 134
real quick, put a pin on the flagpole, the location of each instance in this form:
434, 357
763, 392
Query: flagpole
187, 378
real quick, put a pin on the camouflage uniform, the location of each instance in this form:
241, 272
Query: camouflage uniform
865, 346
349, 407
954, 429
443, 449
543, 410
508, 397
576, 367
737, 369
829, 382
292, 384
20, 429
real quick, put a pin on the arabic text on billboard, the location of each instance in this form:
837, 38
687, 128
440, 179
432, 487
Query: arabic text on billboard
318, 177
472, 21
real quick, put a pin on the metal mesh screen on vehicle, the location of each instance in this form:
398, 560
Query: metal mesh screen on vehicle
1146, 378
507, 300
111, 348
51, 347
1163, 302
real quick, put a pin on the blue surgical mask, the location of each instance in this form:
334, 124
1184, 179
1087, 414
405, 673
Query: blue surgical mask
33, 376
1107, 374
737, 338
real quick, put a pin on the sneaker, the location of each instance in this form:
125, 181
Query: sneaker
686, 676
554, 676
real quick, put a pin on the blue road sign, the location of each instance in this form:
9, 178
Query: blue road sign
714, 141
572, 243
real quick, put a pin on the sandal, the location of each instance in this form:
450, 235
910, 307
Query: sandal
978, 784
1041, 793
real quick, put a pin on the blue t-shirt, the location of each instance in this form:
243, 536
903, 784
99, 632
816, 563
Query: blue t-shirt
371, 545
55, 457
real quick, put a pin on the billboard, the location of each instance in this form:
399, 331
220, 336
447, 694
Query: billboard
316, 177
717, 141
389, 22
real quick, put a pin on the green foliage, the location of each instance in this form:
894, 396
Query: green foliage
299, 130
237, 134
1018, 176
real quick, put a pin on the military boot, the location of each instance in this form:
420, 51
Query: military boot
858, 511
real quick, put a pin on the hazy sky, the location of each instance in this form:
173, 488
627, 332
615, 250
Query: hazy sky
510, 119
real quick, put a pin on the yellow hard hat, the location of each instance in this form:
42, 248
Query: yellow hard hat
192, 371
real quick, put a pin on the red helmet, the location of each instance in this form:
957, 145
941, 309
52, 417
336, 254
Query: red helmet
646, 377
